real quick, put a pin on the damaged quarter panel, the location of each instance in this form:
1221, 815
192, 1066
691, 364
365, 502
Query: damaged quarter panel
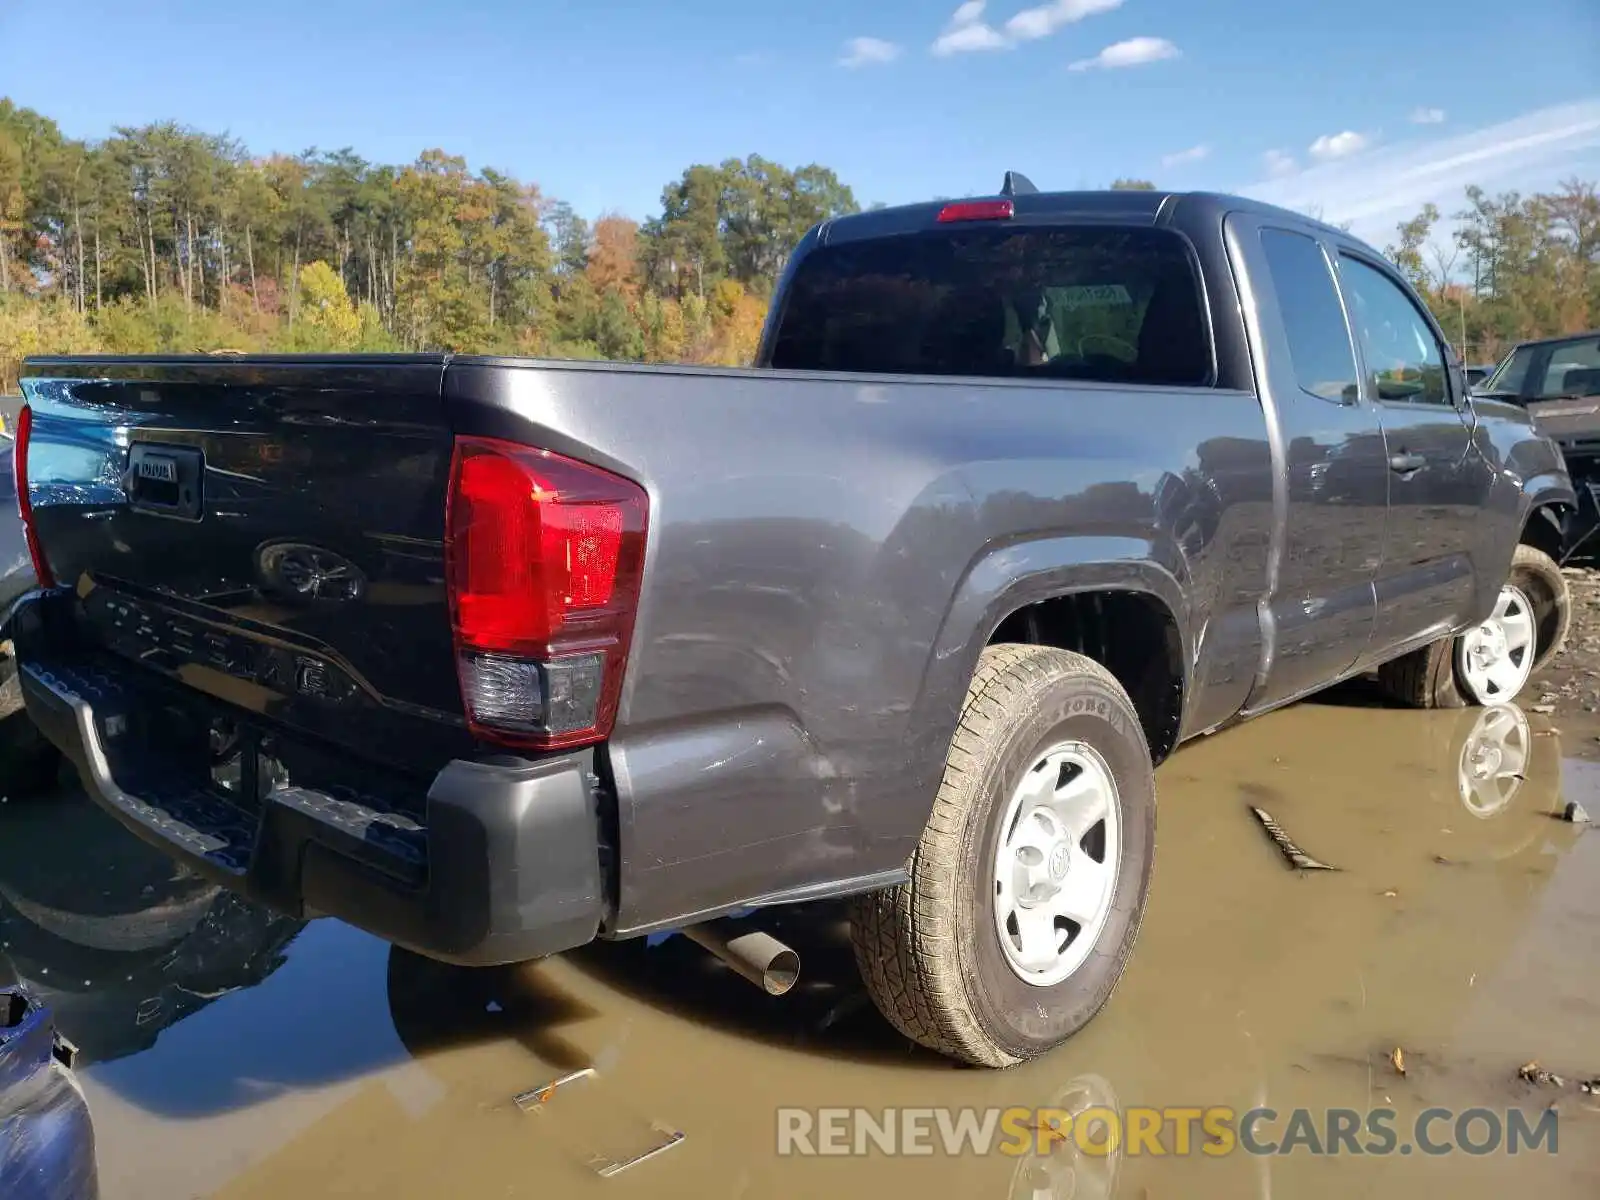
812, 614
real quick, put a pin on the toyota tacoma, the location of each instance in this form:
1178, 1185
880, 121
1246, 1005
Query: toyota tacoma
494, 657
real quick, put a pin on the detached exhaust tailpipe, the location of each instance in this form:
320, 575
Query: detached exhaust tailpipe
759, 957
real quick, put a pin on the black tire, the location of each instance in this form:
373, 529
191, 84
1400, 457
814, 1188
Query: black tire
928, 949
1427, 678
1541, 580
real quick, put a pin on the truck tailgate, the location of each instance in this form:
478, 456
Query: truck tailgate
269, 531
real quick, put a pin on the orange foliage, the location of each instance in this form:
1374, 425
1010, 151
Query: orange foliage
614, 256
737, 317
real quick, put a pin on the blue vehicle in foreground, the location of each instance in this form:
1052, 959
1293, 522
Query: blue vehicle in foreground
46, 1136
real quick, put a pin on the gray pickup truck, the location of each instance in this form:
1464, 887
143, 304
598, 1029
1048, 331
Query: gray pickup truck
495, 657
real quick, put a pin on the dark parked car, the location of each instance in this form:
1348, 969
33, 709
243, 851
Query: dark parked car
1558, 381
493, 657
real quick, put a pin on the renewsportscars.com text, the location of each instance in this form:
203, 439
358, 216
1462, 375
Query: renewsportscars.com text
1215, 1132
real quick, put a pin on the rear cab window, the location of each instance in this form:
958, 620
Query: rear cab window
1100, 303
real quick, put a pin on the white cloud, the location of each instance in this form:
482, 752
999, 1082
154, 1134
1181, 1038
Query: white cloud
1045, 19
1427, 116
1193, 154
967, 38
1135, 52
1390, 184
1339, 145
1279, 164
868, 52
967, 31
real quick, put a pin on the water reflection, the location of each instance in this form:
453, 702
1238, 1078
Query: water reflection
311, 1060
119, 942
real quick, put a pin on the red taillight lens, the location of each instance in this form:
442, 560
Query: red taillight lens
19, 468
977, 210
544, 558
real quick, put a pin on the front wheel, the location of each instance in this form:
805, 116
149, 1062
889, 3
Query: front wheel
1492, 662
1029, 883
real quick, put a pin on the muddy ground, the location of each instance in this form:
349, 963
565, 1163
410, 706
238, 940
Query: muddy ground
1571, 685
237, 1055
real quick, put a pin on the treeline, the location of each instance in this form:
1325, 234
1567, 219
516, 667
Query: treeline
163, 238
1515, 267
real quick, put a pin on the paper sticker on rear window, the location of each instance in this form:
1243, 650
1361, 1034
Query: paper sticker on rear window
1109, 295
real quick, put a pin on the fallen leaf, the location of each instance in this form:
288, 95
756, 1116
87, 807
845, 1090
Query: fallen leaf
1398, 1057
1532, 1072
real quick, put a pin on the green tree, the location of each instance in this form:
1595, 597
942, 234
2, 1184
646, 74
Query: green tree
163, 237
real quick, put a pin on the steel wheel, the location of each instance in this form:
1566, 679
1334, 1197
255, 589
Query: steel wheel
1494, 660
1494, 760
1055, 869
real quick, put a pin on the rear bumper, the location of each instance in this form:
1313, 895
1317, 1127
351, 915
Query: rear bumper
501, 864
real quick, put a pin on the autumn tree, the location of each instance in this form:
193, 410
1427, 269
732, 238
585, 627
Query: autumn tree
613, 264
163, 237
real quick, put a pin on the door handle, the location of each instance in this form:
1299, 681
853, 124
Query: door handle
1405, 464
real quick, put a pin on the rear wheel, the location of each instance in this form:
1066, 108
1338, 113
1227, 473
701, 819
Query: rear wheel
1492, 662
1029, 882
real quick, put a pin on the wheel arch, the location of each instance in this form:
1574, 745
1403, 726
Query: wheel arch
1132, 633
1544, 528
1058, 592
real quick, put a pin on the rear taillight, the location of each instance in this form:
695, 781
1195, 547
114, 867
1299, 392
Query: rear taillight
19, 467
544, 558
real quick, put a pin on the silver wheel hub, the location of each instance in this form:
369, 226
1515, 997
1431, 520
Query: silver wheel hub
1495, 659
1056, 864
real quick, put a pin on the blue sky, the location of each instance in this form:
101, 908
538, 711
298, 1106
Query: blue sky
1363, 108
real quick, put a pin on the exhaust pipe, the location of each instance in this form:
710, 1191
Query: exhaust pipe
759, 957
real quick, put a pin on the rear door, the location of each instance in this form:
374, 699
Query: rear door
1333, 492
1438, 482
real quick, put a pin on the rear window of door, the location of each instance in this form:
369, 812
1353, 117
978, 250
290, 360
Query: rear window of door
1108, 304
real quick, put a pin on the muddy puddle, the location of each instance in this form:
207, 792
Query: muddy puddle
236, 1055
